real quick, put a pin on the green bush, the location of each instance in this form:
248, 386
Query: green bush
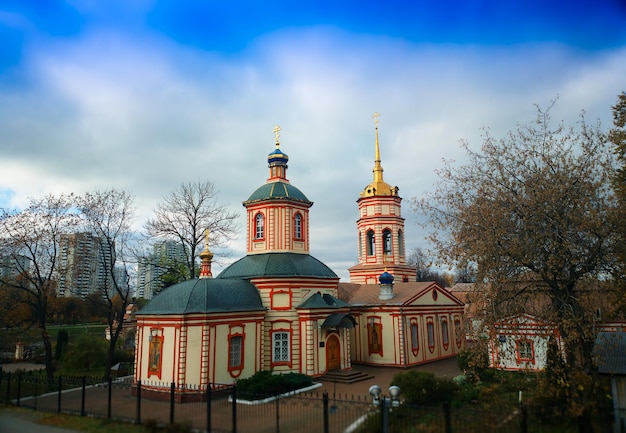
423, 388
86, 353
264, 384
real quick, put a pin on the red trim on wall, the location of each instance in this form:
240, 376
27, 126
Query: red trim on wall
278, 291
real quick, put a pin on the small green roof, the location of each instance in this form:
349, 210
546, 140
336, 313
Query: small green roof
278, 190
205, 295
318, 300
277, 265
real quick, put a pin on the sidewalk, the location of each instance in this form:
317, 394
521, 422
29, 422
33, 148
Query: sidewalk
384, 375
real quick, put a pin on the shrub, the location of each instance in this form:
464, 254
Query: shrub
423, 388
264, 384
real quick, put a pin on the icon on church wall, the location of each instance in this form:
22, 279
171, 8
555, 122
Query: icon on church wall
155, 358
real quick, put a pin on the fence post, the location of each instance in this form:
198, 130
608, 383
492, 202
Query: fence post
277, 414
36, 389
524, 423
19, 387
325, 405
172, 392
59, 395
82, 398
446, 417
109, 398
208, 408
8, 399
138, 415
234, 408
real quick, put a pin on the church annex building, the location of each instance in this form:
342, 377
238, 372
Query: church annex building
278, 308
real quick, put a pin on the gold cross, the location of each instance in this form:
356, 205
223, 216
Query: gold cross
375, 116
276, 131
206, 238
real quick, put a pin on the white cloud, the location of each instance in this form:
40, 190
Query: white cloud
146, 115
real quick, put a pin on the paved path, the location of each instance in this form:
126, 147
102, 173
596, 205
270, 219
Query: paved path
18, 421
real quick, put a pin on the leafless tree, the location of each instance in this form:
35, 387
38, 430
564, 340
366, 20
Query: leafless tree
186, 212
109, 215
535, 211
30, 240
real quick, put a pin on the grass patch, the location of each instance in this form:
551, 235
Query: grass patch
72, 422
90, 425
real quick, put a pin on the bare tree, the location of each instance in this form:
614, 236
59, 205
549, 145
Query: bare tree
418, 259
535, 212
109, 216
186, 212
30, 240
424, 269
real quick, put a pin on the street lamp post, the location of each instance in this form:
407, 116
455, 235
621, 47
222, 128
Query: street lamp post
385, 403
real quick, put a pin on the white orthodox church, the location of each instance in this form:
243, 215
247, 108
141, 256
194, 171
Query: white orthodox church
279, 308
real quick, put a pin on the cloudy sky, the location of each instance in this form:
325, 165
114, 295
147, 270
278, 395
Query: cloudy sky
144, 95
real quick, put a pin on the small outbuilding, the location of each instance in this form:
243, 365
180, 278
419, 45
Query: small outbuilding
610, 351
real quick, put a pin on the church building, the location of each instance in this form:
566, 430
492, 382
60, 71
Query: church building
279, 308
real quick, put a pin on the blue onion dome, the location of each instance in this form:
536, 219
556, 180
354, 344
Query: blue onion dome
385, 278
277, 156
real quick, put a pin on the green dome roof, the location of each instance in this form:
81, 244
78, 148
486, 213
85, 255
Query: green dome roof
278, 190
205, 295
277, 265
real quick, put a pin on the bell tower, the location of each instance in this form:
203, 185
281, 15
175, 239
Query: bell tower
380, 228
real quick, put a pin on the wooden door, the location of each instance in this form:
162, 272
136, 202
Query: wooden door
333, 353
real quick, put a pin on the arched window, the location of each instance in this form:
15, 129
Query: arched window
259, 222
400, 243
387, 242
374, 337
430, 330
415, 343
370, 243
444, 334
297, 226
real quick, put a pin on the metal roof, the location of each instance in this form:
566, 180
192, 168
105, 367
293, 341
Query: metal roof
610, 351
278, 190
277, 265
322, 301
205, 295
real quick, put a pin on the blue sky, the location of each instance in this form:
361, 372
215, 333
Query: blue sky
144, 95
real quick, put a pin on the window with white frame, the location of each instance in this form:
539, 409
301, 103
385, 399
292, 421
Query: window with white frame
235, 357
259, 224
297, 226
280, 347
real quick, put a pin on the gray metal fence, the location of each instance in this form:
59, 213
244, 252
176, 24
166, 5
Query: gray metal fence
217, 409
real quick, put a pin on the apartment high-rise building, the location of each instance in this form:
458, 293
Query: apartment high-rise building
84, 265
150, 269
13, 265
